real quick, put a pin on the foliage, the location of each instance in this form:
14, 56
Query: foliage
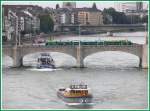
145, 19
117, 17
121, 18
46, 23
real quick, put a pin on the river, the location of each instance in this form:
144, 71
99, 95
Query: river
115, 80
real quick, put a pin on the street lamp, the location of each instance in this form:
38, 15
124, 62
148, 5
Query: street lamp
79, 35
19, 37
146, 33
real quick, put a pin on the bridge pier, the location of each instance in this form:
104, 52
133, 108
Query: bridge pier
144, 61
80, 63
140, 62
17, 58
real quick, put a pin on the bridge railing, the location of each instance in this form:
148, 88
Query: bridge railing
82, 43
105, 25
62, 46
75, 43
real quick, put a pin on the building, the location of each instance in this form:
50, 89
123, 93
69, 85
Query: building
10, 24
86, 16
133, 8
62, 16
36, 24
139, 6
128, 7
71, 15
74, 18
17, 19
69, 5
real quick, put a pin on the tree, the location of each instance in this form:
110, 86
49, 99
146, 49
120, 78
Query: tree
145, 19
117, 17
107, 19
121, 18
46, 23
134, 19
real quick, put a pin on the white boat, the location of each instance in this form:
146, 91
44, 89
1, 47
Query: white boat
45, 61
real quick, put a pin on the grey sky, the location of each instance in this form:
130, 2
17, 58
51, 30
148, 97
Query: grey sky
100, 4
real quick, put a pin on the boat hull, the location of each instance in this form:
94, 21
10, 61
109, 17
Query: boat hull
87, 100
46, 66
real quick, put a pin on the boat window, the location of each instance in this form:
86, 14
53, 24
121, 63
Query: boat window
85, 86
86, 92
72, 91
74, 86
81, 86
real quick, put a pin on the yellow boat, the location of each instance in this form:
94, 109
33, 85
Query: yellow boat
76, 95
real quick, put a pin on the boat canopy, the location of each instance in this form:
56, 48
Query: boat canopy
80, 86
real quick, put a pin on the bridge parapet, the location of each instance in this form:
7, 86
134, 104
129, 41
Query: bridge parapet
133, 49
104, 28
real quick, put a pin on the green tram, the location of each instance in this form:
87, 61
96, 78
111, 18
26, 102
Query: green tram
75, 43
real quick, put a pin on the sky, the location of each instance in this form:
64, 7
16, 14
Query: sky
100, 4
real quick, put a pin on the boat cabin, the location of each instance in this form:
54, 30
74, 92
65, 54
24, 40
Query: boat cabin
45, 59
76, 91
78, 86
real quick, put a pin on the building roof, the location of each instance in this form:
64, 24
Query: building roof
87, 9
78, 9
31, 8
21, 13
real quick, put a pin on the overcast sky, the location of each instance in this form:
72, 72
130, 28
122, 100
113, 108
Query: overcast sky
100, 4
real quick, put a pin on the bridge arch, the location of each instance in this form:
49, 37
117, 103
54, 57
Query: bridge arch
135, 50
7, 61
66, 50
111, 59
7, 51
61, 59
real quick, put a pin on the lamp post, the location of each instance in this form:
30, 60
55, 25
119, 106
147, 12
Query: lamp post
19, 33
146, 33
79, 36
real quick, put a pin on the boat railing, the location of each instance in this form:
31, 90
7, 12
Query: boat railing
78, 86
62, 89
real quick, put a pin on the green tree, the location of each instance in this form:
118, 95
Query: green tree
117, 17
46, 23
145, 19
134, 19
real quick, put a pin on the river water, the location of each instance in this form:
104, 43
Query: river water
115, 80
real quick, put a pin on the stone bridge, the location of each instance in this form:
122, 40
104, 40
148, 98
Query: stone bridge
106, 28
79, 53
